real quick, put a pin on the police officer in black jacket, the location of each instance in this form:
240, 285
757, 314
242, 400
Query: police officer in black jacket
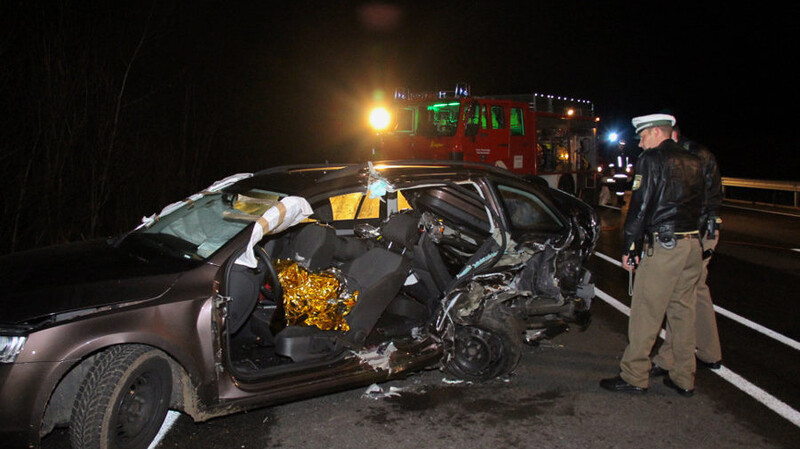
661, 243
709, 350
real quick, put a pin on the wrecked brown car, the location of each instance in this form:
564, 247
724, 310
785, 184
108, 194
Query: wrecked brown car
290, 282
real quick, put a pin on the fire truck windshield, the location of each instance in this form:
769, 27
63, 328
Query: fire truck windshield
439, 119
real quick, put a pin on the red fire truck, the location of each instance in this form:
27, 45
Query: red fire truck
552, 137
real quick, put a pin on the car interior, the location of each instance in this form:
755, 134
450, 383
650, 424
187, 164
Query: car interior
395, 268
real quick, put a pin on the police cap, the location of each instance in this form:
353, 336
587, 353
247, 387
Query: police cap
648, 121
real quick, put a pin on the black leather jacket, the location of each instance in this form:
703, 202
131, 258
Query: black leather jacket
712, 177
668, 194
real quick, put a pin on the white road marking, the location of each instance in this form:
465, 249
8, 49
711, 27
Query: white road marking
616, 262
760, 395
172, 416
753, 209
794, 344
773, 403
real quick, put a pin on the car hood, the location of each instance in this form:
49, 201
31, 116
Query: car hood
77, 276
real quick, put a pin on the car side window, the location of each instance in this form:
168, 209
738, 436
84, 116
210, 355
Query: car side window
351, 206
517, 123
527, 212
498, 118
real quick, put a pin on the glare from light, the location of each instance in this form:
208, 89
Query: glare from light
379, 118
10, 347
612, 137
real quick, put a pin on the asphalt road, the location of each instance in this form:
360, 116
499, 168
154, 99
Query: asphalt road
753, 277
553, 399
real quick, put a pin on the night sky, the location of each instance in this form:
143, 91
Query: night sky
291, 81
113, 108
303, 72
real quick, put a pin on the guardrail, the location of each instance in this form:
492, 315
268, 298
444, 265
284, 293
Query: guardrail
765, 185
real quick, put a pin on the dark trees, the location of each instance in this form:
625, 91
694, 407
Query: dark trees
103, 119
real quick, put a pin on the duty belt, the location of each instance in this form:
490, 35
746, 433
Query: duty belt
680, 235
668, 240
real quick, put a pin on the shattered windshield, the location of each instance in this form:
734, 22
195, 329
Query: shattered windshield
196, 229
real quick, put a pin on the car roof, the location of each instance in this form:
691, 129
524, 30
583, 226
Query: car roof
312, 180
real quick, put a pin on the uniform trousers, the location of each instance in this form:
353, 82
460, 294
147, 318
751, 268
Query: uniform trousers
707, 335
665, 284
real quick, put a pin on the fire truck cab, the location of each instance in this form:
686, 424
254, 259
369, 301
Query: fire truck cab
554, 138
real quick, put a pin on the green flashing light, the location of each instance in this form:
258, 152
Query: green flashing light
441, 105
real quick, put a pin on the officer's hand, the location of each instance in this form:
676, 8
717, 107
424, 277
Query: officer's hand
629, 263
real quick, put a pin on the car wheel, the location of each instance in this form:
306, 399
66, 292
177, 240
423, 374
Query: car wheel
487, 350
123, 400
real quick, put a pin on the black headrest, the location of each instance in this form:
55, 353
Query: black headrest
401, 229
314, 246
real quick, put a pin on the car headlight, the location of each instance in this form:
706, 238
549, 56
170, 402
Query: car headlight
10, 347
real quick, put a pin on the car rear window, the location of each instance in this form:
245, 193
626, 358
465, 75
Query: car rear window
527, 212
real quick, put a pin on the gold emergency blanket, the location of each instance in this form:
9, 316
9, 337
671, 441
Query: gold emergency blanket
314, 299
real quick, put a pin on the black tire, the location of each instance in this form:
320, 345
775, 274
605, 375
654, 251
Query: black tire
487, 350
123, 400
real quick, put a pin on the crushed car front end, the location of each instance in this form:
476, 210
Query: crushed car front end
498, 260
527, 281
